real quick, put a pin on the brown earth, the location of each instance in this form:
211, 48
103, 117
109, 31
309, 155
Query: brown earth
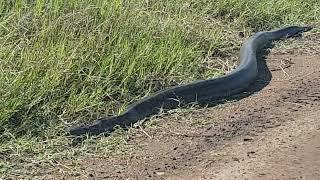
271, 132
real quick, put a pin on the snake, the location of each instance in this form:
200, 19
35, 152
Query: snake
200, 91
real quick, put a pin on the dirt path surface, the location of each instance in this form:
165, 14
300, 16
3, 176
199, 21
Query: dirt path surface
272, 134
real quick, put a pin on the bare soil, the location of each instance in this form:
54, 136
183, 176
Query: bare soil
272, 131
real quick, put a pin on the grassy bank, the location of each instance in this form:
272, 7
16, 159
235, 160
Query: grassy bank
66, 62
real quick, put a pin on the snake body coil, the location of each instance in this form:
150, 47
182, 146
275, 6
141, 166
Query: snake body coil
198, 91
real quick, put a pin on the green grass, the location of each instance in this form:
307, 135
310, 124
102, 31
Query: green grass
65, 62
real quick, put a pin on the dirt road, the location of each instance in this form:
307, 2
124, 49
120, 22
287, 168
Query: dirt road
271, 132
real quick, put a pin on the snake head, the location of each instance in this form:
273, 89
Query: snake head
296, 31
307, 28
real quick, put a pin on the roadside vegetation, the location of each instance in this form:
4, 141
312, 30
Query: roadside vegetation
66, 62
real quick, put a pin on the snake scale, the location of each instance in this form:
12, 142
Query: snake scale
197, 91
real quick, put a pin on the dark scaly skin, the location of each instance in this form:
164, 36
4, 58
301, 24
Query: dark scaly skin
198, 91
